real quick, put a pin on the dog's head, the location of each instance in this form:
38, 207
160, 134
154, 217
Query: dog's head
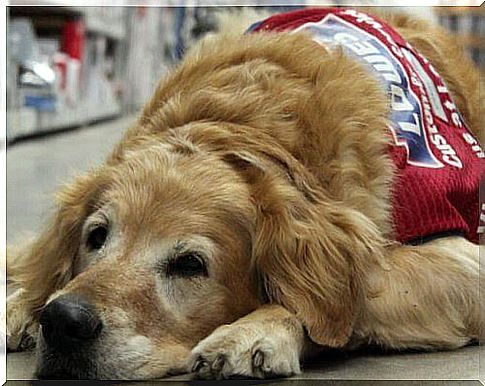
184, 232
160, 248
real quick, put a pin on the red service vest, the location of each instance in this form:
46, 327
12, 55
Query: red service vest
438, 161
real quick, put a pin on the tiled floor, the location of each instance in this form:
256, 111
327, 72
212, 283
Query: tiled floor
36, 168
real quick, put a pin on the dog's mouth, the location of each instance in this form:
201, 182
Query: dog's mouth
60, 366
69, 329
88, 364
53, 373
74, 363
75, 341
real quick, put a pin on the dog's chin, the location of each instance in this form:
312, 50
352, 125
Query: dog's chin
52, 370
74, 363
57, 374
88, 364
68, 366
107, 360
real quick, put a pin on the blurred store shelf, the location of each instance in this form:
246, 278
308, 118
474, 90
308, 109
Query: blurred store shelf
82, 47
45, 9
106, 21
82, 114
21, 122
115, 56
100, 26
74, 4
460, 10
27, 122
468, 25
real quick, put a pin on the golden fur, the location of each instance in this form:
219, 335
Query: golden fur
279, 159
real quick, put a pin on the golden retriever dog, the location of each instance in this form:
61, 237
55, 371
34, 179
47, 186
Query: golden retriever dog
245, 221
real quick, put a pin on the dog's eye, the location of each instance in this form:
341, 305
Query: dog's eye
97, 237
187, 264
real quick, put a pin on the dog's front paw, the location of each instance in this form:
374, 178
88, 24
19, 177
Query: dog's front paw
21, 329
248, 350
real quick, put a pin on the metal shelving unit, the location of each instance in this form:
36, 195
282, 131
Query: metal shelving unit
102, 25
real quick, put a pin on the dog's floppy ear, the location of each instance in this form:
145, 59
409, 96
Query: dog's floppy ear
310, 250
45, 265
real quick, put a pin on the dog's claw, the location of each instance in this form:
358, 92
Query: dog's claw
218, 363
28, 342
258, 358
198, 364
204, 369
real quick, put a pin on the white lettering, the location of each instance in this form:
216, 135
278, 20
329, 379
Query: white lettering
442, 89
450, 105
469, 138
384, 66
410, 127
453, 160
456, 120
438, 140
428, 85
345, 38
399, 101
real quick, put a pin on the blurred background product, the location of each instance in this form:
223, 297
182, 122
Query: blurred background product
60, 67
468, 25
73, 66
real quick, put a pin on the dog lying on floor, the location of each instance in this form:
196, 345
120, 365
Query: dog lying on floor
311, 183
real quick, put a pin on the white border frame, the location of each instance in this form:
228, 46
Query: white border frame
154, 3
3, 192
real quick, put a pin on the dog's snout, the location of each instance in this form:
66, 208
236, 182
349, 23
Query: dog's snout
69, 320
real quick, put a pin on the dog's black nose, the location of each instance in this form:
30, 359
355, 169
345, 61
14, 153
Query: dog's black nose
68, 321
